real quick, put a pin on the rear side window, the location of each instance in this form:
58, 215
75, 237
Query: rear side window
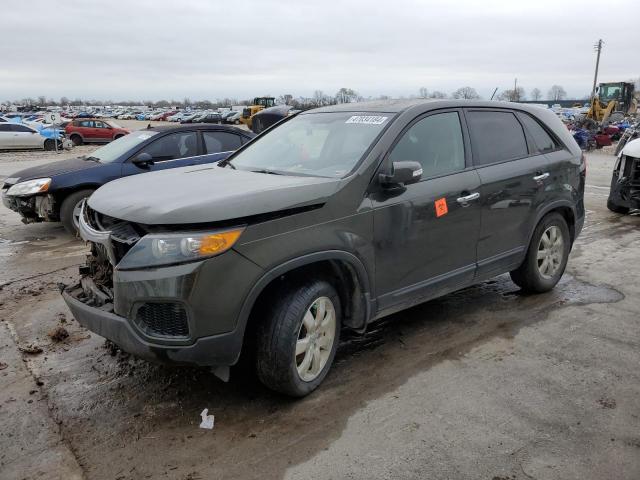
436, 142
495, 137
221, 141
541, 138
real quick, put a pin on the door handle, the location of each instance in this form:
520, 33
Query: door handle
542, 176
464, 201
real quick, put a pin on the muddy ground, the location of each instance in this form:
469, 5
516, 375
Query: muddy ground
484, 383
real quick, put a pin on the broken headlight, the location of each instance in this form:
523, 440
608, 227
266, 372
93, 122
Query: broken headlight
37, 185
171, 248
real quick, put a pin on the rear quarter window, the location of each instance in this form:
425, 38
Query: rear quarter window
495, 136
543, 142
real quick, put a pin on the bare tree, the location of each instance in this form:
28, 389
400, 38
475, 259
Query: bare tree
346, 95
466, 93
437, 94
423, 92
513, 95
536, 94
556, 92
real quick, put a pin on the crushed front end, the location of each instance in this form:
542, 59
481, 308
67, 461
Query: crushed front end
625, 182
179, 313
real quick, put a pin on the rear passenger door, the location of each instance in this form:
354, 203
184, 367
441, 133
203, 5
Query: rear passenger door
425, 233
513, 176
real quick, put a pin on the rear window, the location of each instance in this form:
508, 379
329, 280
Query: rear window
542, 140
495, 136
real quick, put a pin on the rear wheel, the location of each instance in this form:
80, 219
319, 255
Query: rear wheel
77, 140
547, 256
70, 210
298, 339
49, 145
616, 208
118, 136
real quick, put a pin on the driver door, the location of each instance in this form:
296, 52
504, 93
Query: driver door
426, 233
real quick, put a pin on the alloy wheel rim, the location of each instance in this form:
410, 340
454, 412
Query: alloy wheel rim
550, 252
316, 336
76, 213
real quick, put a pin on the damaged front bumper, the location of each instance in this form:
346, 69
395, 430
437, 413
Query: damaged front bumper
216, 350
33, 208
625, 183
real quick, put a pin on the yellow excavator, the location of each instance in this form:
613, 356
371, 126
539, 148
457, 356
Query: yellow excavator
259, 103
612, 102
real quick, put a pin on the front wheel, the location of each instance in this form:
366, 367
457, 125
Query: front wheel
547, 256
70, 210
298, 339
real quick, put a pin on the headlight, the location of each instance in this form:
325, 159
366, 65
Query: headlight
171, 248
38, 185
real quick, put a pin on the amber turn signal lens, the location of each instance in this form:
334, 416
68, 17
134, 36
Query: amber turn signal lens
219, 242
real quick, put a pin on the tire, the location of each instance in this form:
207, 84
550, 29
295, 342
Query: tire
69, 204
541, 275
616, 208
284, 330
118, 136
77, 140
49, 145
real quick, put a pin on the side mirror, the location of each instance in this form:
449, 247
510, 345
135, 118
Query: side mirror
144, 160
402, 173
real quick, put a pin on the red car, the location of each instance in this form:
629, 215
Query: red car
164, 116
93, 130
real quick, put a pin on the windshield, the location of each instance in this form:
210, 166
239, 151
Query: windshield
112, 151
113, 124
318, 144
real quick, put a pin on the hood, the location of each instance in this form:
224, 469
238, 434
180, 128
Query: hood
50, 170
206, 194
632, 149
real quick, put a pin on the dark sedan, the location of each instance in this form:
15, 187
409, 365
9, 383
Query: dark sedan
54, 192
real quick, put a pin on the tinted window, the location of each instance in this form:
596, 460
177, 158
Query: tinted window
21, 128
175, 145
221, 141
495, 137
541, 138
436, 142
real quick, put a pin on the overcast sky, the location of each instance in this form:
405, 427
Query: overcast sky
203, 49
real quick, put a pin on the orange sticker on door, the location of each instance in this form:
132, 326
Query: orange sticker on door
441, 207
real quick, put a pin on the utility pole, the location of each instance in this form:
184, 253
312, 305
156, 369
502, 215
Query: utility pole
516, 97
598, 48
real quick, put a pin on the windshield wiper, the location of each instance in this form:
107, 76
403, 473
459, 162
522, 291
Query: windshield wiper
225, 162
93, 159
264, 170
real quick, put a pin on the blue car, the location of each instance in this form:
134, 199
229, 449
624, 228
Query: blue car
54, 192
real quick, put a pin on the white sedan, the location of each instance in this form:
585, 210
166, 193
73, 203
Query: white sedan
14, 136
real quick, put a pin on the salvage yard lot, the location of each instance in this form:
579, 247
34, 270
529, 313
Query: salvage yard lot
484, 383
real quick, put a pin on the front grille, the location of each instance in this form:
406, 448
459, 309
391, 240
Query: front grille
163, 319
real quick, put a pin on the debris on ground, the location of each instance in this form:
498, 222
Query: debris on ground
207, 420
609, 403
3, 365
31, 349
58, 334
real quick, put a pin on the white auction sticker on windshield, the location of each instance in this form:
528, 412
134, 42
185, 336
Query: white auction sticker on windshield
367, 119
